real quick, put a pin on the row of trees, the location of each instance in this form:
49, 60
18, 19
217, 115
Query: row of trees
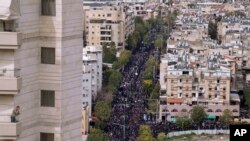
140, 33
151, 88
198, 115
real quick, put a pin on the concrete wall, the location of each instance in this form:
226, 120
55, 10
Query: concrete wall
210, 132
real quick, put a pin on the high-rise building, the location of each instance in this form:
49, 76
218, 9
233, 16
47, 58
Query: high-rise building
41, 70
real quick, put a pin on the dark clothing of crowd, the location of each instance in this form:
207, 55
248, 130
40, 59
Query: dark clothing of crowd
129, 103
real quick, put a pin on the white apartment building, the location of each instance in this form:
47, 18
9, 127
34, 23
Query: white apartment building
92, 74
41, 69
92, 81
106, 24
87, 87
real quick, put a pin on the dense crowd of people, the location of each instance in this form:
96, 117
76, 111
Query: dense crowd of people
129, 103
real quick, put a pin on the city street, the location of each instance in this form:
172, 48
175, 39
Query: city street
130, 101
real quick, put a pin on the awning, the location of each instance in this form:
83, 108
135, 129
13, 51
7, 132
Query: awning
174, 100
211, 116
9, 9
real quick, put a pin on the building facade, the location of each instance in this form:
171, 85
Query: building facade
190, 79
106, 24
41, 69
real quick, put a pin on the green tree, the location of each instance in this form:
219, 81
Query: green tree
146, 40
183, 122
170, 19
97, 135
151, 61
140, 29
138, 20
161, 137
155, 93
247, 96
198, 114
102, 110
106, 74
212, 30
152, 105
133, 39
114, 80
226, 117
145, 133
148, 86
158, 43
123, 59
109, 54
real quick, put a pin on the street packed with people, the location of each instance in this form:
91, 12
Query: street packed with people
130, 100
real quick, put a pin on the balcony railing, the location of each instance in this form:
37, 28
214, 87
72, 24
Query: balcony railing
10, 81
9, 72
9, 131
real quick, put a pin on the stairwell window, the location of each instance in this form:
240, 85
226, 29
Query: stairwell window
48, 7
48, 55
46, 137
47, 98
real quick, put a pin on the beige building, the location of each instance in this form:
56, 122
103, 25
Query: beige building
106, 24
189, 79
41, 69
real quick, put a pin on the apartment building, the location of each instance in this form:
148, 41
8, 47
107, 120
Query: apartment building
106, 24
189, 79
41, 69
92, 63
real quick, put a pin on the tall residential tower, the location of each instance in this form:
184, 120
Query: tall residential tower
41, 69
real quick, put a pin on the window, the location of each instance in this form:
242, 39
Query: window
46, 137
218, 81
210, 89
193, 94
180, 80
48, 7
48, 55
47, 98
193, 87
108, 15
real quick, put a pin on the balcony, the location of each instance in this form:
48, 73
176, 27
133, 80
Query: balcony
10, 40
9, 131
10, 81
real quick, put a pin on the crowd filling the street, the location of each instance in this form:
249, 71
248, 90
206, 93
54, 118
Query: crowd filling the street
130, 101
